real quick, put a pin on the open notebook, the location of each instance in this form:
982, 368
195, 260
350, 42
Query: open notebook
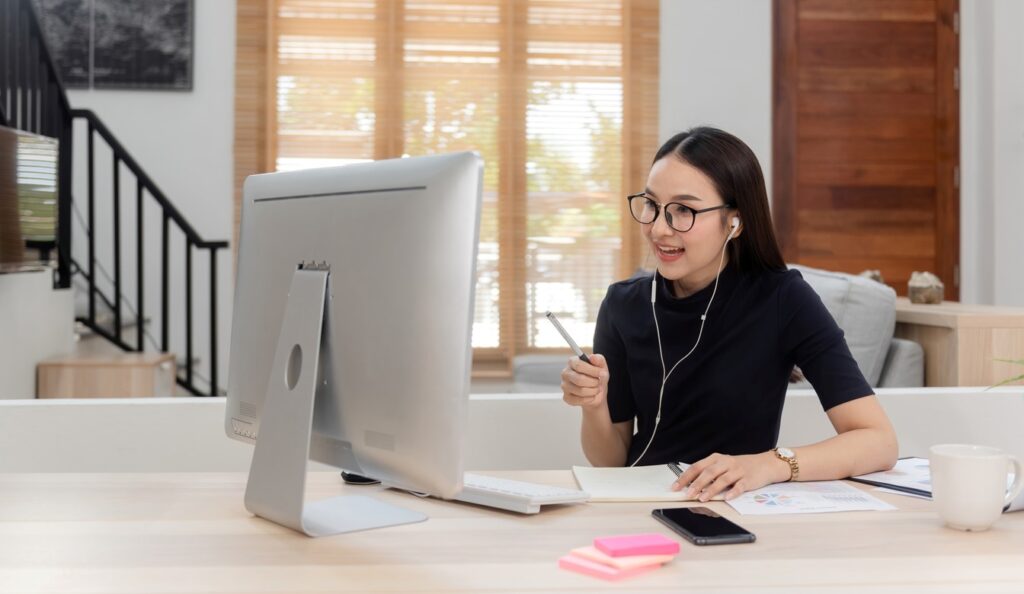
636, 483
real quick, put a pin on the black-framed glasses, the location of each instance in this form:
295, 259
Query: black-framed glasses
678, 216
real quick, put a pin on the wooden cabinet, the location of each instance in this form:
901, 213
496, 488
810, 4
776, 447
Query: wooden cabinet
117, 376
963, 342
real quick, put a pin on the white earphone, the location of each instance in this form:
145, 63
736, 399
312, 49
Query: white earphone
657, 331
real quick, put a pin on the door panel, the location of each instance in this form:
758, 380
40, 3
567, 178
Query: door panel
865, 136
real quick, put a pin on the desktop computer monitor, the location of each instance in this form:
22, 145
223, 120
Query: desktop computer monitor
350, 341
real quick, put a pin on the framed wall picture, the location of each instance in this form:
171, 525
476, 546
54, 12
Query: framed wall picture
121, 44
67, 27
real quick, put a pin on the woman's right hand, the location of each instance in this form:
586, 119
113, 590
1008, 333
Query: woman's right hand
585, 384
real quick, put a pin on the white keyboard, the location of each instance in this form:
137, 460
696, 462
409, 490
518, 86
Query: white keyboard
517, 496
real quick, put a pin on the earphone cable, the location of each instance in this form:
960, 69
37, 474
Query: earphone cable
661, 356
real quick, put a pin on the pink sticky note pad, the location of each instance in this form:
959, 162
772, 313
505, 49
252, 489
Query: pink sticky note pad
593, 568
592, 554
636, 544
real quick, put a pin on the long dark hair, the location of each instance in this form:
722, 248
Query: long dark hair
733, 168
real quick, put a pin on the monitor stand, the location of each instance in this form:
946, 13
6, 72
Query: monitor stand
277, 477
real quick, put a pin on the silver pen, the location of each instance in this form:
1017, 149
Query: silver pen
572, 343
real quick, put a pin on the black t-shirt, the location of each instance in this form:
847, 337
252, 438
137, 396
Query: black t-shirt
727, 396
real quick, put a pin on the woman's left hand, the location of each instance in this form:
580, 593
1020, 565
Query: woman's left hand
732, 475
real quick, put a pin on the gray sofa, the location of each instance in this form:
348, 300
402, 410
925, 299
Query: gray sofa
866, 311
863, 308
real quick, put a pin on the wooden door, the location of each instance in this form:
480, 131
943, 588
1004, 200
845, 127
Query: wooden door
866, 136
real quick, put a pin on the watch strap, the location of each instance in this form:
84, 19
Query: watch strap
794, 466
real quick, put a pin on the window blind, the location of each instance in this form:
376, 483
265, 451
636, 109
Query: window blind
558, 96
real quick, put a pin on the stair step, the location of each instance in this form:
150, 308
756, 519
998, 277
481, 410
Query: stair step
120, 375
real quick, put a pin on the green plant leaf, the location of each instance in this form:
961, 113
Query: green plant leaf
1009, 380
1014, 361
1006, 381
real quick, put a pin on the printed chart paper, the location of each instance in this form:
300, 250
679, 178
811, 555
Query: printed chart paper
807, 498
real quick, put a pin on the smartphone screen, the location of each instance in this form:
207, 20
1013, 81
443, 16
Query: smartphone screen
702, 526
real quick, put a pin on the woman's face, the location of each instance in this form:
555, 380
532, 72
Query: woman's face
690, 259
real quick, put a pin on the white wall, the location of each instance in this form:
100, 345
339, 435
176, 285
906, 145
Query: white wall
36, 323
716, 69
977, 199
992, 151
183, 139
1008, 150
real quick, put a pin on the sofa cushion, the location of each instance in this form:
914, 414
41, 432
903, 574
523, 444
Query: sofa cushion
864, 309
904, 365
538, 369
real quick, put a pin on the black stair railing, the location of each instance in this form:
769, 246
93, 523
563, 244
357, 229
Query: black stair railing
144, 187
33, 99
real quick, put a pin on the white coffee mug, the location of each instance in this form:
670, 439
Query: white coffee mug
969, 484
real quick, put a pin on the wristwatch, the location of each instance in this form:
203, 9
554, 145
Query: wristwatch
788, 456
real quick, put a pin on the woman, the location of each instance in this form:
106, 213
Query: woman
698, 356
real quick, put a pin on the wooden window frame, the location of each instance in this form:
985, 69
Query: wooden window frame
256, 122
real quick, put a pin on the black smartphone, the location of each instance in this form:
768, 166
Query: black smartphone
702, 526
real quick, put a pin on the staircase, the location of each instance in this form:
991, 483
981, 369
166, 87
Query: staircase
33, 99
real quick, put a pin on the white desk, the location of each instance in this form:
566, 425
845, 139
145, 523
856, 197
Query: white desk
190, 533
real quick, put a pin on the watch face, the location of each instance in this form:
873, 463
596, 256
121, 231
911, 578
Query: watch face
786, 453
